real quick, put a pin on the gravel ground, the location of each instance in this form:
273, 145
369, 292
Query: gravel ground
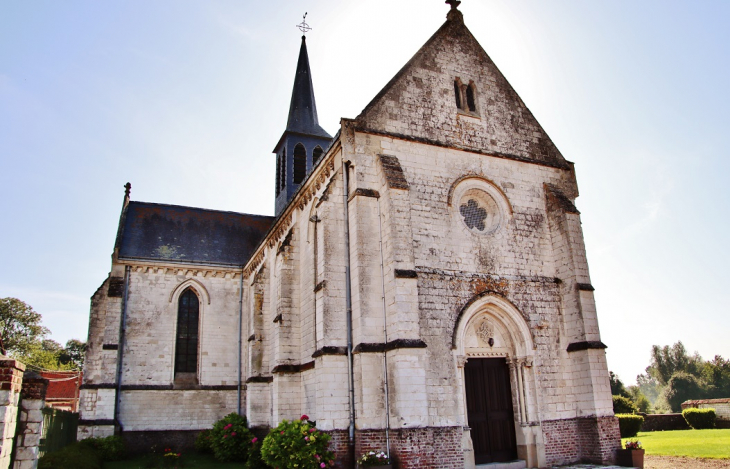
671, 462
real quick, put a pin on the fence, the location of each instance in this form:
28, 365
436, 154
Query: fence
59, 429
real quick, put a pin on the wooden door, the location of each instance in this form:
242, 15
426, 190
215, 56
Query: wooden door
489, 410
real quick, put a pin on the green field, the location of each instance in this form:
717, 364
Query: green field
693, 443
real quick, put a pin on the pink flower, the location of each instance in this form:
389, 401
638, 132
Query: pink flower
306, 438
311, 430
254, 440
305, 417
281, 433
233, 433
225, 436
322, 464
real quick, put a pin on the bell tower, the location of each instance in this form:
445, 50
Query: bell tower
304, 142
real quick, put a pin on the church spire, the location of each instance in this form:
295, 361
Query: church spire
303, 142
303, 108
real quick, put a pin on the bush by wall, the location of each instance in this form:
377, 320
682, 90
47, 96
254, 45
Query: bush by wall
663, 422
230, 438
700, 418
297, 444
623, 405
203, 442
629, 424
75, 455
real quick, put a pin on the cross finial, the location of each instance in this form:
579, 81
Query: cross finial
304, 27
454, 3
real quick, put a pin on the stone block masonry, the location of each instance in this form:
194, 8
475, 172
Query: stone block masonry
11, 379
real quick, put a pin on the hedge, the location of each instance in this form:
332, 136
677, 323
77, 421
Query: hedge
699, 418
629, 424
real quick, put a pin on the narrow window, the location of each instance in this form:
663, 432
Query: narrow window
281, 181
277, 178
186, 344
316, 155
470, 97
300, 163
457, 92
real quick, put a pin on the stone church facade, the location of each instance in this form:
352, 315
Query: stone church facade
423, 287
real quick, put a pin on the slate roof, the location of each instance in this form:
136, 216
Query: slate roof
303, 109
189, 234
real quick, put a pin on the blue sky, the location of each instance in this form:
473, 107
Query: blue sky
186, 100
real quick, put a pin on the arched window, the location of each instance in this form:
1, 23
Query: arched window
470, 101
186, 343
281, 172
457, 93
300, 163
316, 155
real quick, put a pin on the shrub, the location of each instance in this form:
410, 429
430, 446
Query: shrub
230, 438
111, 448
255, 461
203, 442
623, 405
297, 444
699, 418
629, 424
682, 387
76, 455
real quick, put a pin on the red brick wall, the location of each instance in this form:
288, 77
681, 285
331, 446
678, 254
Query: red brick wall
411, 448
11, 374
587, 439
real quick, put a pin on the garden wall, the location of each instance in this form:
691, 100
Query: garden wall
721, 406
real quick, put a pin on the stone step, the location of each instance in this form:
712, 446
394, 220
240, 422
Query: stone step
503, 465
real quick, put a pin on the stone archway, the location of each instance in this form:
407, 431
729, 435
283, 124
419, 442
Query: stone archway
492, 333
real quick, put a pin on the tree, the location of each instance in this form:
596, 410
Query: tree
716, 375
666, 361
681, 387
73, 354
617, 386
20, 327
623, 405
640, 400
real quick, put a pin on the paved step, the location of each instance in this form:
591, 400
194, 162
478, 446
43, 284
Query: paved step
503, 465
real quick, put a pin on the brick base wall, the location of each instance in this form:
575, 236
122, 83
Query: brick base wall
587, 439
411, 448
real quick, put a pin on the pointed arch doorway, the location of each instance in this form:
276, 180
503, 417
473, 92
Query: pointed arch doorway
489, 410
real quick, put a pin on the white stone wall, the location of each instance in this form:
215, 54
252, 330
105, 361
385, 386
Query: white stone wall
175, 410
8, 423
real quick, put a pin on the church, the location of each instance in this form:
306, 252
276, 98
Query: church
422, 289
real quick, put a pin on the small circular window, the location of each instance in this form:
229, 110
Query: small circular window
479, 211
479, 205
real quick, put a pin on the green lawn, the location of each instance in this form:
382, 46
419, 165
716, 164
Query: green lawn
693, 443
187, 461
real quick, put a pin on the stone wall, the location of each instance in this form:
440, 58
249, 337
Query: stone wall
30, 422
721, 406
11, 379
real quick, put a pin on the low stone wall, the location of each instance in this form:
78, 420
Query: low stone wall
660, 422
721, 406
11, 379
583, 439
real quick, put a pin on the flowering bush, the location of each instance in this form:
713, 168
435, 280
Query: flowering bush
374, 459
170, 458
297, 444
254, 456
203, 442
633, 444
230, 438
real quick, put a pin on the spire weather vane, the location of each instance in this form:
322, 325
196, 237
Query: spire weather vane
304, 27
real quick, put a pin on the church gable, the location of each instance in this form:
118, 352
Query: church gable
451, 93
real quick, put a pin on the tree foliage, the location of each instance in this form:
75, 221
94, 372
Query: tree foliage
20, 327
667, 361
25, 339
682, 387
617, 386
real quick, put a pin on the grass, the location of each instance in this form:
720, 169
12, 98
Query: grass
713, 444
187, 461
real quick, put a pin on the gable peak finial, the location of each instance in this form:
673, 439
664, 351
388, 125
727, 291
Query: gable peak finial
303, 26
454, 3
